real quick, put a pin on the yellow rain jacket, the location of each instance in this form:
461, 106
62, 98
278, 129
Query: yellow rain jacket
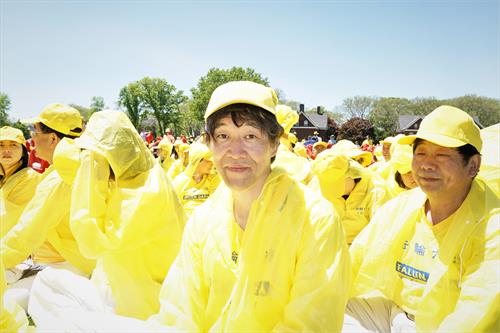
124, 214
401, 159
45, 221
178, 165
15, 194
297, 166
165, 149
355, 211
190, 193
490, 160
290, 272
463, 294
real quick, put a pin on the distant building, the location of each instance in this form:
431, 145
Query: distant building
309, 123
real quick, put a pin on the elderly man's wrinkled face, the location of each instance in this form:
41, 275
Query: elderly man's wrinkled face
442, 171
242, 155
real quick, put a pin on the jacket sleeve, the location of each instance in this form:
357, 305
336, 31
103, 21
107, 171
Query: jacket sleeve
43, 213
88, 205
321, 281
477, 307
184, 294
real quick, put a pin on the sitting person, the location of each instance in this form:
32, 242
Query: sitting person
428, 260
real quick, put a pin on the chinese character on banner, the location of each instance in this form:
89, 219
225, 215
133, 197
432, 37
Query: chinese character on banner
405, 245
435, 253
419, 249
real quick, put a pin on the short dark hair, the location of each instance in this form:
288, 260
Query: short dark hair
466, 151
46, 129
246, 113
399, 179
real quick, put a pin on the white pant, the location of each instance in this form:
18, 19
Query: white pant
376, 314
19, 291
62, 301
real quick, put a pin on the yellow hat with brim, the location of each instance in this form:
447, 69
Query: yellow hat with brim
320, 143
245, 92
447, 126
349, 149
401, 158
61, 118
388, 140
331, 167
8, 133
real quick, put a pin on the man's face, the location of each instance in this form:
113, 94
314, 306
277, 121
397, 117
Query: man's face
11, 153
441, 171
318, 149
45, 143
386, 151
242, 155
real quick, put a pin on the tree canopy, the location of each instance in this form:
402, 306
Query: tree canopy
214, 78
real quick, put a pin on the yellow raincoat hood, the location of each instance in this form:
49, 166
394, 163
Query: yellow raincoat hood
197, 152
349, 149
286, 117
112, 135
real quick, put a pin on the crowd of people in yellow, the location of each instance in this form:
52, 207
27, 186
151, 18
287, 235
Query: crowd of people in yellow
243, 230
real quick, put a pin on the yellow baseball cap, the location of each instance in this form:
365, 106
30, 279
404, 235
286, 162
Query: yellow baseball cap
447, 126
401, 158
320, 143
60, 117
8, 133
388, 140
245, 92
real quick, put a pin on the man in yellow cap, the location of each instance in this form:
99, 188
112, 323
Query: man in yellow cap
263, 253
428, 260
43, 229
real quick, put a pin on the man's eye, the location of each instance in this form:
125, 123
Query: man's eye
251, 136
221, 136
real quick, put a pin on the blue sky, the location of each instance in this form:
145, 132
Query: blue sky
316, 52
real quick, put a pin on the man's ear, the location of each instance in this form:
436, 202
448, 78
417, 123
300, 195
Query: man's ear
54, 139
474, 165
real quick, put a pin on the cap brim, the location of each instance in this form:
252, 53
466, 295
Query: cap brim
239, 101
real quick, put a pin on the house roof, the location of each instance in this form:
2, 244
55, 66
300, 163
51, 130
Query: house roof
318, 120
406, 120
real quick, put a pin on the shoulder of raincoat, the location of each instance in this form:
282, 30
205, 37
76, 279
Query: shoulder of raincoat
297, 167
124, 213
15, 194
45, 218
463, 294
294, 282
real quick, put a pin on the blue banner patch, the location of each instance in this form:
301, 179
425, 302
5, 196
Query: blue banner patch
411, 273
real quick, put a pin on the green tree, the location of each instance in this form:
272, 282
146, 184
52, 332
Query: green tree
84, 111
130, 99
162, 100
385, 115
4, 109
214, 78
358, 106
422, 106
97, 104
486, 109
